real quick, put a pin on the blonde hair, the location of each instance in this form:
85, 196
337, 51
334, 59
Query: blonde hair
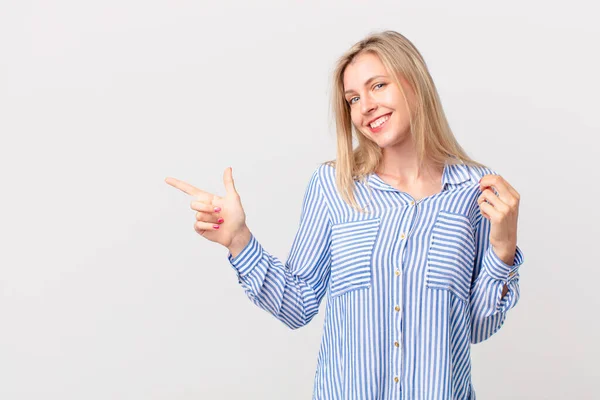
434, 139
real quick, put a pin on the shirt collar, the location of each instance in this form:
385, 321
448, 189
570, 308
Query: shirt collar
453, 174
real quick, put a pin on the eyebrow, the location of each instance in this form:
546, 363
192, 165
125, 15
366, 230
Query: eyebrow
367, 82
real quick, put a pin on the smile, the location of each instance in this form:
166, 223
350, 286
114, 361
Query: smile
379, 122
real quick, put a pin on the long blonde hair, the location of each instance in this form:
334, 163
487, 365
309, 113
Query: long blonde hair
433, 137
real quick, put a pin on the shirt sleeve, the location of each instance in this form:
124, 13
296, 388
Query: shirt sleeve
291, 291
488, 307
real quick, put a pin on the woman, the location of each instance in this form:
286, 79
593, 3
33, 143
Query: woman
413, 242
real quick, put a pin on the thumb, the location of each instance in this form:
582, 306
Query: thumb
228, 181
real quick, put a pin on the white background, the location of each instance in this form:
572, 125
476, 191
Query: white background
106, 291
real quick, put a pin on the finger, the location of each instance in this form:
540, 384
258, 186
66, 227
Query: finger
228, 181
500, 185
485, 215
492, 213
200, 206
215, 201
209, 217
187, 188
506, 197
511, 189
513, 192
201, 227
495, 201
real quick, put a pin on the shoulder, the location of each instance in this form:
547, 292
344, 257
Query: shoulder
324, 173
322, 176
327, 167
476, 172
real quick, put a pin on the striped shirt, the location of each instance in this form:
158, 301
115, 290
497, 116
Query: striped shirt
409, 285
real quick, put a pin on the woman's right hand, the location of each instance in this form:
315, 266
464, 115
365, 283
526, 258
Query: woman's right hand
218, 219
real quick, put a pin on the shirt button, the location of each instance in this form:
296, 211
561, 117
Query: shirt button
397, 308
402, 235
412, 203
396, 379
512, 274
396, 344
397, 272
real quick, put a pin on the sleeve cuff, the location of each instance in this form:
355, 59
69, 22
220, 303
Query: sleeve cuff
250, 255
498, 269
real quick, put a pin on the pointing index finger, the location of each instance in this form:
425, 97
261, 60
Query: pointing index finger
186, 187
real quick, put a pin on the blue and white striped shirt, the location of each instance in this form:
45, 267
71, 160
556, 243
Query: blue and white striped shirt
410, 285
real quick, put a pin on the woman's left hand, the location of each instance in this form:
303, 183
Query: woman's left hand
502, 211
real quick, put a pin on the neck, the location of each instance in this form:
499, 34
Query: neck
402, 164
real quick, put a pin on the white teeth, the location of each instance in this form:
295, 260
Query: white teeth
379, 121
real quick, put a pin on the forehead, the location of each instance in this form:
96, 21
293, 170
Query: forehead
362, 68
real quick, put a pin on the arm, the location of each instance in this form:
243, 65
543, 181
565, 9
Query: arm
291, 291
495, 288
495, 284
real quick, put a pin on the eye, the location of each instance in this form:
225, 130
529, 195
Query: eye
351, 101
379, 85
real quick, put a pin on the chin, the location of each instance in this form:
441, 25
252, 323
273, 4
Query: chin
391, 142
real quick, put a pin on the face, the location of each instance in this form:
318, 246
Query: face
377, 106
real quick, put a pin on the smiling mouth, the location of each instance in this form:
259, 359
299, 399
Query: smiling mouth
379, 123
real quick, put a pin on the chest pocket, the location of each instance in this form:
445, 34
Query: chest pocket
451, 255
351, 255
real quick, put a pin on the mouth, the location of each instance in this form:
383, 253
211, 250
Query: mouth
378, 124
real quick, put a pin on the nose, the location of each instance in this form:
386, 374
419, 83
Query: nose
367, 105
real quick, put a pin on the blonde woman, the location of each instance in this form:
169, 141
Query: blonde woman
413, 243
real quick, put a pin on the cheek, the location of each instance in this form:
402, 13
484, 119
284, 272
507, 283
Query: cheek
395, 100
401, 113
361, 130
355, 119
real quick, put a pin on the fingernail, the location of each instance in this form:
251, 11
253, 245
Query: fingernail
220, 220
216, 226
217, 209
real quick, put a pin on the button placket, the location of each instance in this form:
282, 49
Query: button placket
404, 233
398, 285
